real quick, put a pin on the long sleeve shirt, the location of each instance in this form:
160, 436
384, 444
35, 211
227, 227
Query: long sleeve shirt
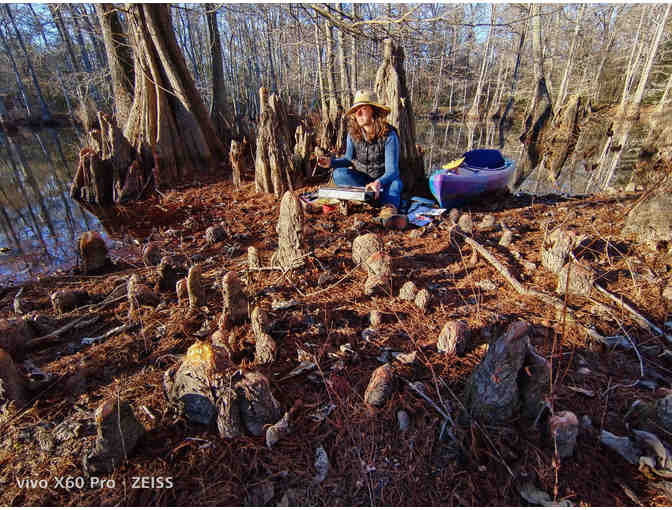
391, 158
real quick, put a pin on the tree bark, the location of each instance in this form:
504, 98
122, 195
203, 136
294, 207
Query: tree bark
346, 96
218, 106
353, 53
80, 40
120, 60
630, 108
168, 128
540, 114
59, 75
391, 89
274, 171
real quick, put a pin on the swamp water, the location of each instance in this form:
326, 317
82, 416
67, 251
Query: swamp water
40, 224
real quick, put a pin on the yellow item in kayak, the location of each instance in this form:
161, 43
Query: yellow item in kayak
453, 164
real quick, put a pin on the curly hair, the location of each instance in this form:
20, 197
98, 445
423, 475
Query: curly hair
380, 127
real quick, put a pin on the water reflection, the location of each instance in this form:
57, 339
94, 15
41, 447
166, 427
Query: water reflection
39, 223
459, 137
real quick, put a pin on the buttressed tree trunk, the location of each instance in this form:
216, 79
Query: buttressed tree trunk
168, 127
392, 91
273, 172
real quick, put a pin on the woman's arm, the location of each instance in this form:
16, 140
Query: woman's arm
346, 160
391, 159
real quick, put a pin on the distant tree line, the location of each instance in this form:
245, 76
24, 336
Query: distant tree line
474, 62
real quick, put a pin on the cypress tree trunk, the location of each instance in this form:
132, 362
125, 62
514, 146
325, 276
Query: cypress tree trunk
538, 119
218, 105
168, 134
392, 91
120, 60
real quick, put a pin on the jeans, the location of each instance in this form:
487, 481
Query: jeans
389, 194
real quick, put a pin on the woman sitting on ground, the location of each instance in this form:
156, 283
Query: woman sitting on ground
371, 157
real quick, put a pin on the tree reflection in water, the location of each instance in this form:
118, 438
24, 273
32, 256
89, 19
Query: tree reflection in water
39, 223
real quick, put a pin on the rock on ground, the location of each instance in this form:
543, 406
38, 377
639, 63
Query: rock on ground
380, 386
403, 420
652, 219
534, 383
492, 394
118, 433
258, 406
215, 234
454, 338
277, 431
366, 245
564, 429
93, 251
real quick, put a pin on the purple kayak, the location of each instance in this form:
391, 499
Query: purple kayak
458, 185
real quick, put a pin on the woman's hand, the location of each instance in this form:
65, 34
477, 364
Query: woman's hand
374, 186
324, 161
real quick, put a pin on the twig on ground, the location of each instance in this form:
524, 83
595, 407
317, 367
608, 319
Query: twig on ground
42, 341
634, 346
641, 320
443, 412
112, 332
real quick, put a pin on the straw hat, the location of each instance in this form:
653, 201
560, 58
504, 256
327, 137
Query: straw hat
364, 97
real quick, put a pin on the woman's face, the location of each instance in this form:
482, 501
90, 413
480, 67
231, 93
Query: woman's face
364, 116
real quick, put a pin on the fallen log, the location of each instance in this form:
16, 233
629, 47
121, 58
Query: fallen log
558, 304
42, 342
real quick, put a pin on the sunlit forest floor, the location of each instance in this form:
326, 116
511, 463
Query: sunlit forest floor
371, 461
